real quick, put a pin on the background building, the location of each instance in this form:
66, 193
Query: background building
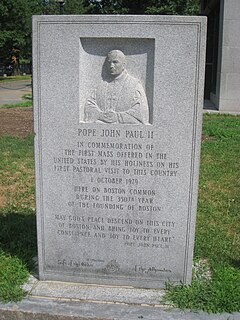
223, 53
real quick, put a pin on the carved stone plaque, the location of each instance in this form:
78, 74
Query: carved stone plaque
117, 108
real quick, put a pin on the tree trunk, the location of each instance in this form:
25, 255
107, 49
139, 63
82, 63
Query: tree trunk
15, 62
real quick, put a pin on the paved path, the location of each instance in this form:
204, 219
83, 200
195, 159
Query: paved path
12, 92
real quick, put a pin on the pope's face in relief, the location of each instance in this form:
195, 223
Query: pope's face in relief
116, 63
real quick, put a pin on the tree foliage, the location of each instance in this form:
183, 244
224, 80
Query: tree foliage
16, 21
182, 7
15, 18
15, 29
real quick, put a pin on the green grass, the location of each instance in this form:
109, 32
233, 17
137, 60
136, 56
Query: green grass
14, 78
16, 173
12, 275
218, 220
17, 216
220, 294
26, 103
217, 229
27, 96
217, 242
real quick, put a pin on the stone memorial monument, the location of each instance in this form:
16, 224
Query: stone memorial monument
117, 108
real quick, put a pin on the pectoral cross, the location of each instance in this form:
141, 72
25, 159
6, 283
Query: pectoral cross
111, 101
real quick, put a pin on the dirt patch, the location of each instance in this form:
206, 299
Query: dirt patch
16, 121
207, 138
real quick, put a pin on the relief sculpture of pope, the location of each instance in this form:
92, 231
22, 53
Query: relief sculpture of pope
118, 99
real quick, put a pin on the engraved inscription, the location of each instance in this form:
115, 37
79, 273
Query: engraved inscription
110, 167
131, 232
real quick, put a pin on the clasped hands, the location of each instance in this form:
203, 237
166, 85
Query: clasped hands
108, 116
94, 113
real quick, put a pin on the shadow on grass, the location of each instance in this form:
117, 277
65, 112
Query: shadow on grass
235, 263
18, 236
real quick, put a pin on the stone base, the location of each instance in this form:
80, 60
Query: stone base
77, 292
49, 300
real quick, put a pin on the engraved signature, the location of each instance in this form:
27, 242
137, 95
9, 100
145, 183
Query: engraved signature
72, 263
149, 269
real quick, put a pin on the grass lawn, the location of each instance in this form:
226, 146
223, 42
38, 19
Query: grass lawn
14, 78
27, 103
217, 240
216, 284
17, 215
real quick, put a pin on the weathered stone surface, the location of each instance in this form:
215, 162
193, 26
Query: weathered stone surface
93, 293
46, 309
117, 194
